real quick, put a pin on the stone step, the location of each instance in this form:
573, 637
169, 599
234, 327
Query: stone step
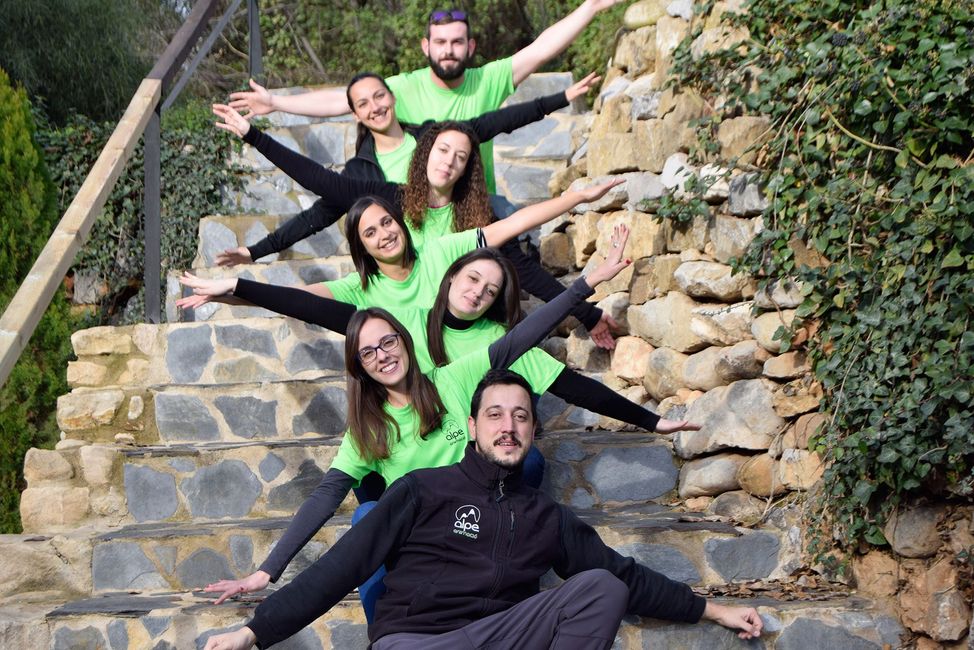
179, 413
186, 620
217, 233
285, 272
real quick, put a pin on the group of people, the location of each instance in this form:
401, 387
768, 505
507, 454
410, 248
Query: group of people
452, 534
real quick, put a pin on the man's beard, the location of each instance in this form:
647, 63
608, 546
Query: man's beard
506, 463
453, 73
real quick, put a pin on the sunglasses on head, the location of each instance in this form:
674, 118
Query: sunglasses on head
447, 15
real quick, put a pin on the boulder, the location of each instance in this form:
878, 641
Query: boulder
616, 305
616, 152
713, 280
759, 477
700, 370
741, 137
49, 508
670, 32
737, 505
716, 39
797, 397
46, 465
912, 530
86, 373
644, 13
716, 183
876, 574
98, 464
799, 469
584, 354
746, 197
655, 141
614, 117
932, 603
85, 409
722, 324
682, 106
739, 416
732, 236
779, 294
636, 51
584, 232
787, 366
711, 475
765, 326
664, 375
663, 322
102, 340
677, 171
743, 360
614, 199
694, 234
557, 252
653, 277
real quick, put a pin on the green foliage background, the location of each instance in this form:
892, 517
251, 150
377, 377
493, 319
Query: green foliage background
28, 213
870, 163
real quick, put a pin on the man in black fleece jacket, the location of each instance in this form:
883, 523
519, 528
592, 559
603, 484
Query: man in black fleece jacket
465, 546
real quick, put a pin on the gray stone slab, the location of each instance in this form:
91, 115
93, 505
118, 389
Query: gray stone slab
632, 474
569, 451
248, 339
118, 635
203, 567
164, 645
749, 557
550, 406
156, 625
242, 553
270, 467
557, 146
527, 136
119, 604
325, 143
702, 636
246, 369
214, 239
525, 184
322, 354
321, 244
746, 196
87, 638
270, 197
582, 418
325, 414
280, 274
662, 558
123, 566
150, 495
185, 417
188, 350
306, 639
292, 494
541, 84
808, 633
581, 498
248, 416
227, 489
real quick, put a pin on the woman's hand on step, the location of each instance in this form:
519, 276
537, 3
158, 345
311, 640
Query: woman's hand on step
254, 582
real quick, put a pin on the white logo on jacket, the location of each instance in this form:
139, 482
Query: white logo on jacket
467, 521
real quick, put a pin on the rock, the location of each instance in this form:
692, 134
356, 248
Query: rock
55, 564
765, 327
683, 236
716, 183
53, 507
101, 340
741, 137
187, 352
700, 370
644, 189
787, 366
643, 13
616, 305
682, 106
202, 568
636, 474
749, 557
717, 39
136, 407
931, 602
325, 414
584, 354
561, 179
722, 324
136, 373
46, 465
697, 503
680, 9
584, 233
289, 496
69, 443
662, 558
797, 397
779, 294
805, 633
663, 322
151, 494
664, 375
246, 339
736, 416
711, 475
227, 489
636, 51
732, 236
122, 566
185, 417
670, 32
759, 477
912, 530
98, 464
876, 574
86, 373
247, 417
805, 256
806, 426
676, 172
800, 469
653, 277
86, 409
557, 252
614, 153
645, 106
746, 196
655, 142
737, 505
645, 239
614, 199
124, 439
744, 360
614, 117
713, 280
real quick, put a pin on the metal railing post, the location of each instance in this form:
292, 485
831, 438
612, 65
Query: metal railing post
152, 208
256, 48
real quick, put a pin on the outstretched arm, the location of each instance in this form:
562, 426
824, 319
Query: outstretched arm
532, 330
327, 102
302, 225
216, 289
553, 41
533, 216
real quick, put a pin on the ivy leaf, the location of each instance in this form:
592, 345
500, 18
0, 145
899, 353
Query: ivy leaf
953, 259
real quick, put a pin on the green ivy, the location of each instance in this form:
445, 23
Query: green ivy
194, 169
870, 164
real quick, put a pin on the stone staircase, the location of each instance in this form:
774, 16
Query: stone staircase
188, 446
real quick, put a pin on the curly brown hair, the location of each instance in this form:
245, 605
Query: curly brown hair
471, 207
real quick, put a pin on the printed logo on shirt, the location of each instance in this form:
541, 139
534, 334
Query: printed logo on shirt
454, 432
467, 522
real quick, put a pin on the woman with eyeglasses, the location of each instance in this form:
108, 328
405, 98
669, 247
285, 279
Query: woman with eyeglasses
401, 419
445, 193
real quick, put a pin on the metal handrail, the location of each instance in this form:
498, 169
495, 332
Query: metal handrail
142, 117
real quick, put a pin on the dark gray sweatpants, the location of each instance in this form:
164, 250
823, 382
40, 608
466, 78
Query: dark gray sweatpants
583, 613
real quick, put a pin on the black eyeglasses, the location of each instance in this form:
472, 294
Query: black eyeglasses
447, 16
387, 343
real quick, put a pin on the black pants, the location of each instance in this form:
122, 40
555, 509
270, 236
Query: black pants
584, 613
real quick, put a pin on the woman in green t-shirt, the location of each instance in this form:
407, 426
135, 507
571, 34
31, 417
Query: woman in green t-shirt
401, 419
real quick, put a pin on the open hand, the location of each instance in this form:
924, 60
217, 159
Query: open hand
596, 192
672, 426
579, 88
233, 121
254, 582
257, 101
234, 256
601, 333
204, 290
241, 639
614, 262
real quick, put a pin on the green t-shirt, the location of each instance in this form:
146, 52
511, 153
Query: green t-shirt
455, 383
483, 89
437, 222
419, 288
395, 164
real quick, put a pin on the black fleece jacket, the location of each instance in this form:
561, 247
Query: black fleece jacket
461, 543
